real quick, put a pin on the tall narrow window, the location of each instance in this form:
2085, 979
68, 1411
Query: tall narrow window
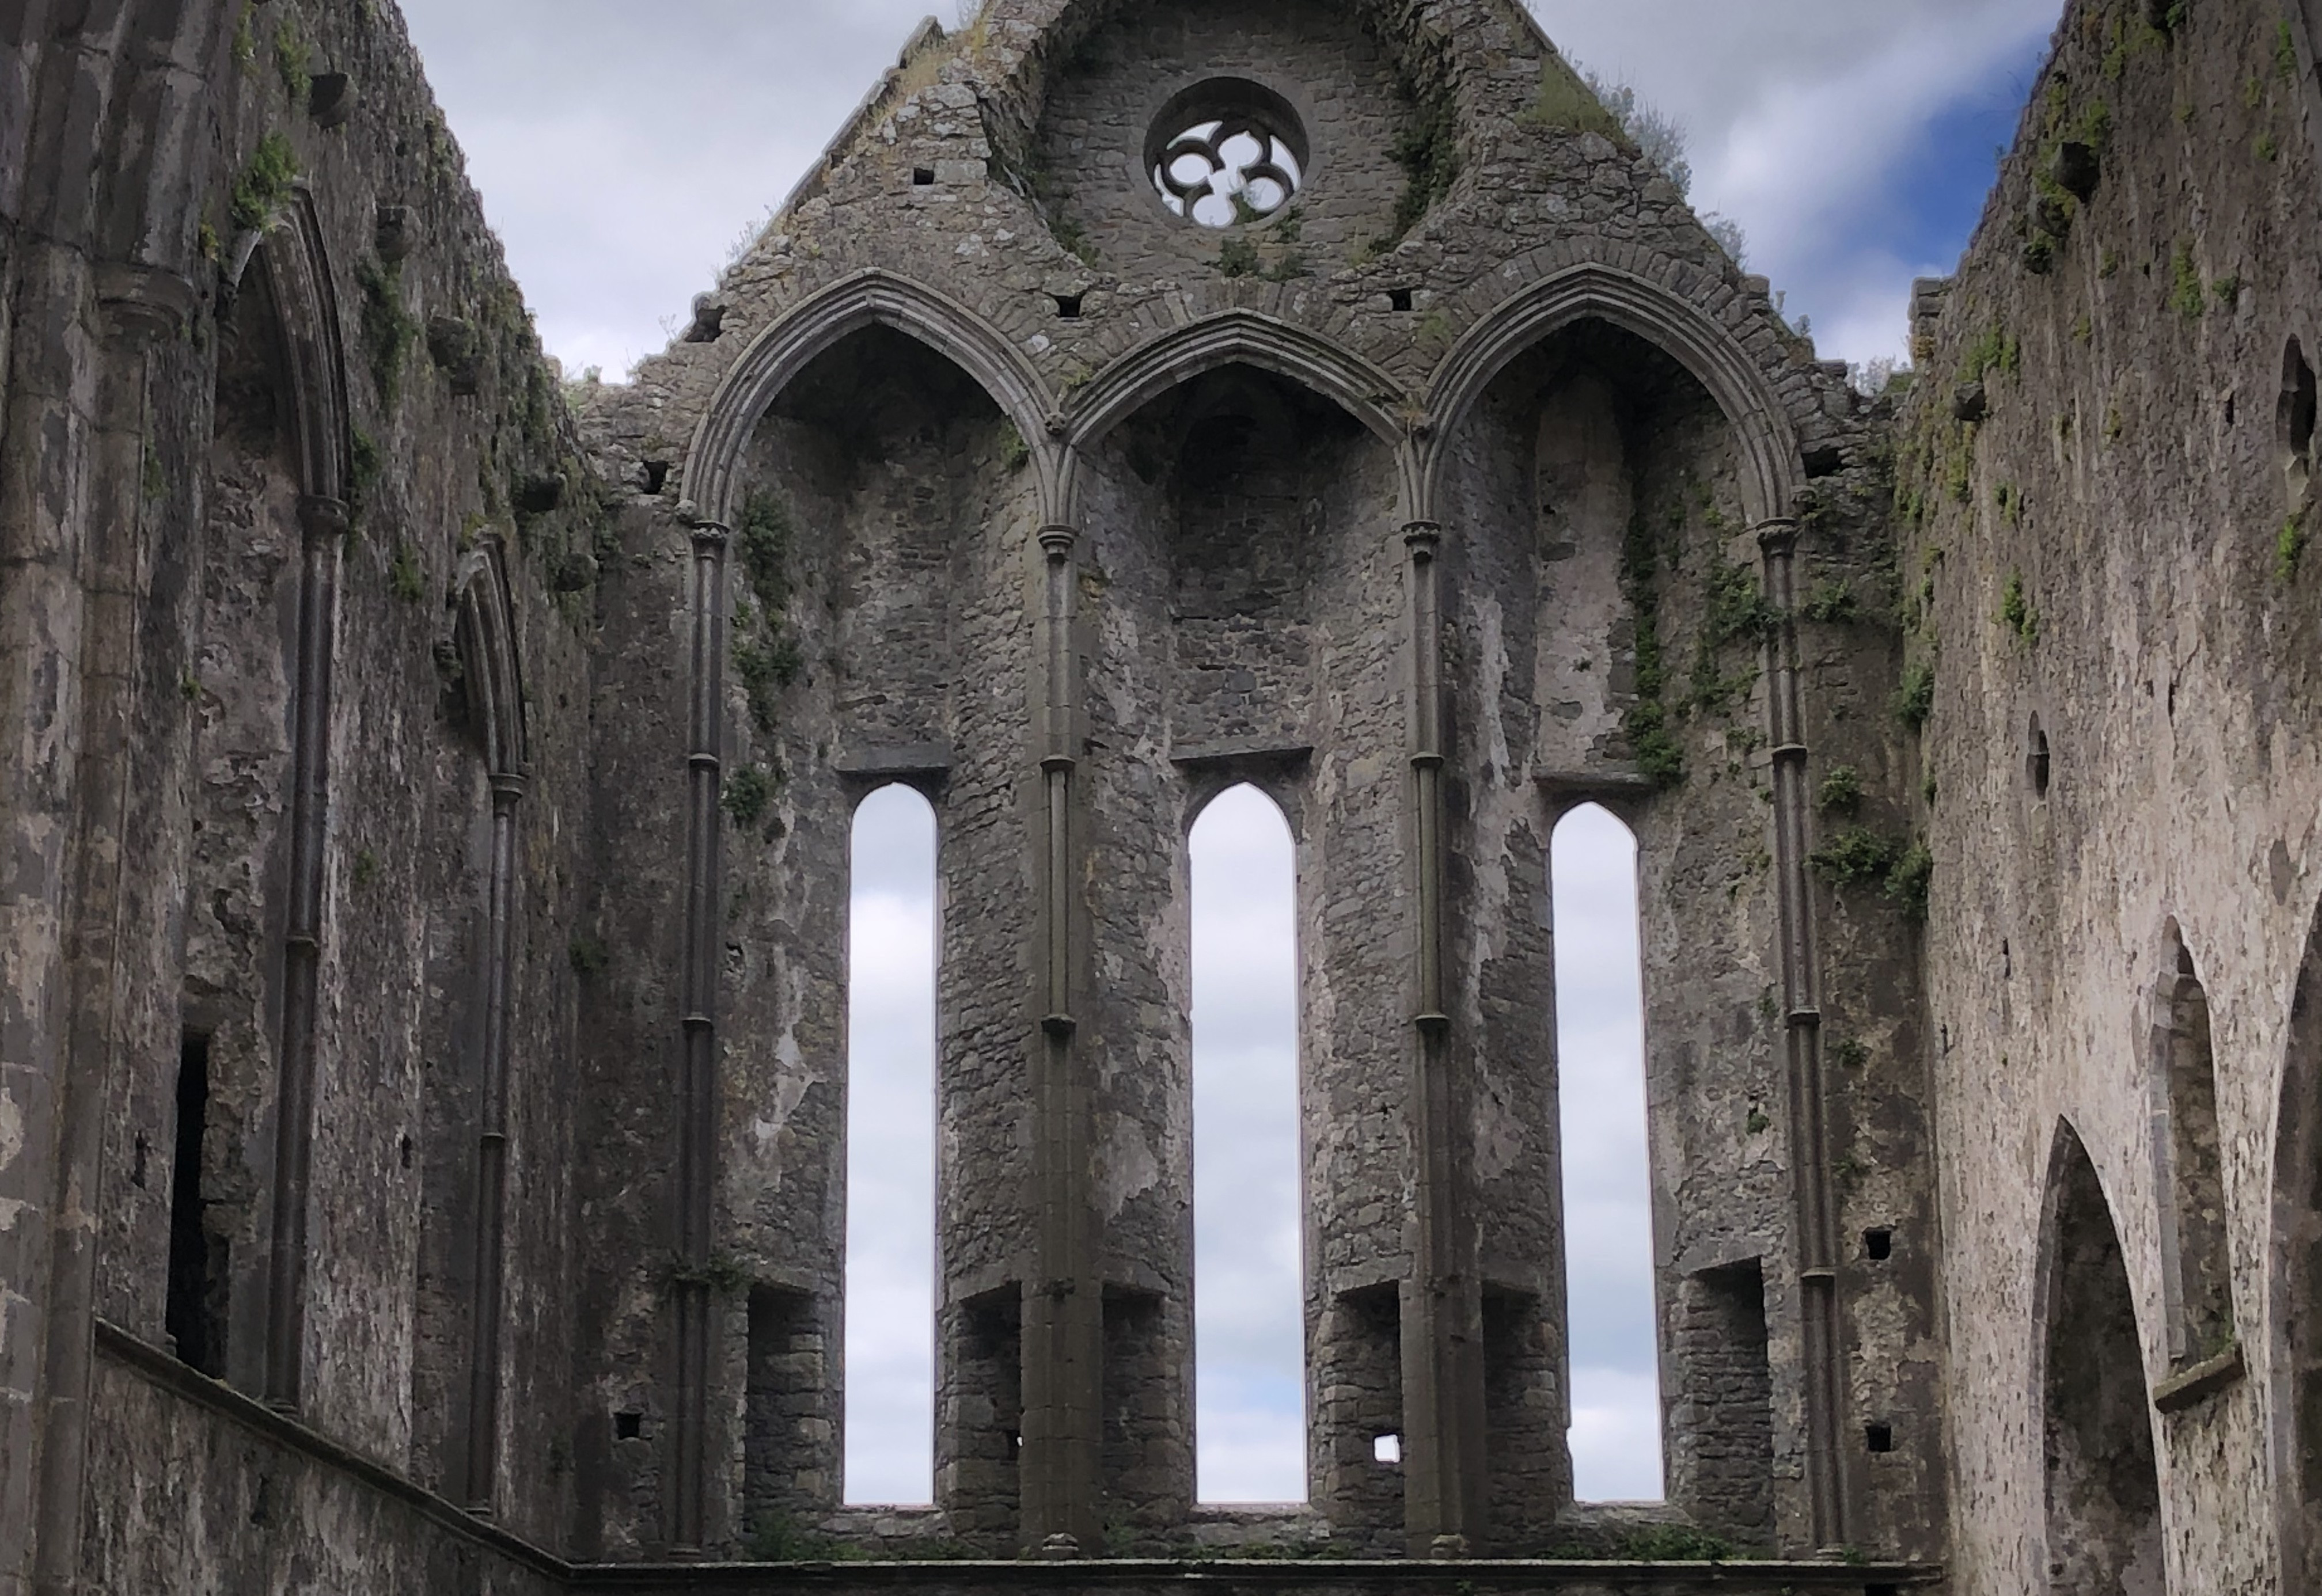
1608, 1223
1249, 1342
194, 1312
891, 1152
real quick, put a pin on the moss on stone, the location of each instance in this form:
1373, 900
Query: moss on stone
389, 329
1646, 722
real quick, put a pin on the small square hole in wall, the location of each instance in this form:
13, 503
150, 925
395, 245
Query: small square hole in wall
1399, 298
923, 177
1879, 1437
1387, 1449
1879, 1244
1068, 306
628, 1427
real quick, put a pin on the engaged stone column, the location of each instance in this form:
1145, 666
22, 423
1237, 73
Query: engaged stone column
697, 1093
1817, 1225
1445, 1499
140, 309
323, 524
1063, 1301
491, 1155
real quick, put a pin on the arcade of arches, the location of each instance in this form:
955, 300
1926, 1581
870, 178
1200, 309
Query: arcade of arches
477, 1115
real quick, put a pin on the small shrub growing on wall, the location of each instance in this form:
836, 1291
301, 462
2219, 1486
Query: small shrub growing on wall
1842, 791
749, 793
1914, 700
264, 183
2016, 611
1857, 857
1908, 882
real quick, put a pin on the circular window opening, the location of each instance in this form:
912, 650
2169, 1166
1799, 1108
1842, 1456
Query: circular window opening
1227, 153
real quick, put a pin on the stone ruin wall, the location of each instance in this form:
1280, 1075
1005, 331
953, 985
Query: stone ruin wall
364, 427
2131, 476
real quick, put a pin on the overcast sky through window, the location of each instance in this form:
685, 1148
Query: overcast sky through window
623, 149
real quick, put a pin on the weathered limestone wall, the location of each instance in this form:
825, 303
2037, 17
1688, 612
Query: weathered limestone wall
297, 554
2113, 558
194, 1501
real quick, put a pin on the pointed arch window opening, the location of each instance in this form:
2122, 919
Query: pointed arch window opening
1611, 1318
894, 954
2199, 1269
1249, 1378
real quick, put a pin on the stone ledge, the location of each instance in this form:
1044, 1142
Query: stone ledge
1219, 1577
2201, 1381
1227, 1578
161, 1369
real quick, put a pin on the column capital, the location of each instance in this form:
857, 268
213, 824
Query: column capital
1057, 539
707, 532
1778, 535
142, 302
508, 789
1422, 538
320, 516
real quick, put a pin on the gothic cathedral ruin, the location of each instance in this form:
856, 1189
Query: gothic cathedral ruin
425, 886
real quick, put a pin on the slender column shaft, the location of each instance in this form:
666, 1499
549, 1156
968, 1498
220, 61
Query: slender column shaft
139, 311
698, 1084
1064, 1304
485, 1328
1817, 1231
324, 525
44, 483
1445, 1499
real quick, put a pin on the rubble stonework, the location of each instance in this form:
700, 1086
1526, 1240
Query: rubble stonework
423, 1064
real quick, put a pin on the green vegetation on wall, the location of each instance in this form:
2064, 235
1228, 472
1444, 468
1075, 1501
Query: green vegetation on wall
766, 656
1647, 722
263, 187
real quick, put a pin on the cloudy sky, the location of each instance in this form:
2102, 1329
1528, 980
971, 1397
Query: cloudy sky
623, 149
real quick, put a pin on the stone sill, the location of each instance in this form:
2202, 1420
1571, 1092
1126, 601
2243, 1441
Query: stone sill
2197, 1383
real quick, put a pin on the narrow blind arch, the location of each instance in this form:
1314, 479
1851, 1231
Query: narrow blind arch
893, 949
1610, 1318
1249, 1342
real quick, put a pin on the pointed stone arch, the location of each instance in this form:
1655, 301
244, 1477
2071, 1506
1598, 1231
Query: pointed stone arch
484, 631
2101, 1483
1638, 304
870, 297
297, 268
296, 263
2295, 1271
1242, 337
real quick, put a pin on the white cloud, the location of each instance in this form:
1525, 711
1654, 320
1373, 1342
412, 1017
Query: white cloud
1801, 114
622, 149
